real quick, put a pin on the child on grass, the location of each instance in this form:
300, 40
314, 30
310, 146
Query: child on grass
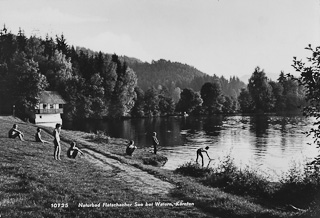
14, 132
130, 148
73, 151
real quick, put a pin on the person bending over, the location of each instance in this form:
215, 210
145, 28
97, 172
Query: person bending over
14, 132
200, 151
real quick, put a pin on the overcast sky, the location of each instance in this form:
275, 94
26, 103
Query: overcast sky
222, 37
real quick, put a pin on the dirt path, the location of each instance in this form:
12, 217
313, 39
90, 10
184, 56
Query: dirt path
136, 179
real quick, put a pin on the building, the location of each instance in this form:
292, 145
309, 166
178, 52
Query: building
49, 108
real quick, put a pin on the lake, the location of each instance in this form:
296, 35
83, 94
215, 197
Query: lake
271, 144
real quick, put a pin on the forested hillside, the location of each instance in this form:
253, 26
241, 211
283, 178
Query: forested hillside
97, 85
173, 74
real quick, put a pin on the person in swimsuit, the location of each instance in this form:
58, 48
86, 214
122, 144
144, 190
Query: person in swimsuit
38, 136
199, 153
155, 142
73, 151
130, 148
14, 132
56, 142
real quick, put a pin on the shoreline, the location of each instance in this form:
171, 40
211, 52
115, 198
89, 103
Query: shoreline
110, 182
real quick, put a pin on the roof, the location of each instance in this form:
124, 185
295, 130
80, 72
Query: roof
51, 97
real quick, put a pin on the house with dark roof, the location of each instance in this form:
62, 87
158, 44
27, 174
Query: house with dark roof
49, 108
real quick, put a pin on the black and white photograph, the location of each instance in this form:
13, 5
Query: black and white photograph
160, 108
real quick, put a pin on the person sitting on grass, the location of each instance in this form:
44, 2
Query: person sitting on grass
199, 153
73, 151
14, 132
38, 136
130, 148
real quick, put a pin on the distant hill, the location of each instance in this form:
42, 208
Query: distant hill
174, 74
164, 72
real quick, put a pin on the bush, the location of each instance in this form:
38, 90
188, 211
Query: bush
237, 181
100, 137
155, 160
299, 187
193, 169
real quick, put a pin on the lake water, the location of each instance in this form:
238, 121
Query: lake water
271, 144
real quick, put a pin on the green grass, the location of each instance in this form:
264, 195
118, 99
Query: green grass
31, 181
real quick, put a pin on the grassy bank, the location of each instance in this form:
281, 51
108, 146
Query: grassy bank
33, 184
297, 190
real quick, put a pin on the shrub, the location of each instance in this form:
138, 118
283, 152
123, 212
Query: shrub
155, 160
299, 186
237, 181
193, 169
100, 137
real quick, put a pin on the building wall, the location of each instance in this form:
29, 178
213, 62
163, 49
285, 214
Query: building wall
48, 118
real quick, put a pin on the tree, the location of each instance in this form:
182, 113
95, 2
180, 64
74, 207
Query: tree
211, 95
261, 91
138, 108
189, 100
26, 82
166, 103
245, 101
228, 105
277, 91
310, 80
122, 98
151, 99
62, 45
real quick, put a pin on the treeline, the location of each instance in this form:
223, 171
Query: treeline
174, 74
264, 95
94, 85
98, 85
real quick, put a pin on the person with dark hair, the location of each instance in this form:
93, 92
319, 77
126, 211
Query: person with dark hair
14, 132
56, 142
38, 136
155, 142
130, 148
199, 153
73, 151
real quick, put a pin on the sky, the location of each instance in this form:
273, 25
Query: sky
221, 37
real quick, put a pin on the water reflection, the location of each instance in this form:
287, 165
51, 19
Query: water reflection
270, 143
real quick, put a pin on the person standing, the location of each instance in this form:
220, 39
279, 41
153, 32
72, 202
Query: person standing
56, 142
155, 142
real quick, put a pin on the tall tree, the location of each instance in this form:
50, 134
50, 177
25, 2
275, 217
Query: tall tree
122, 98
211, 95
138, 109
151, 99
26, 82
62, 45
261, 91
310, 80
245, 101
189, 100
